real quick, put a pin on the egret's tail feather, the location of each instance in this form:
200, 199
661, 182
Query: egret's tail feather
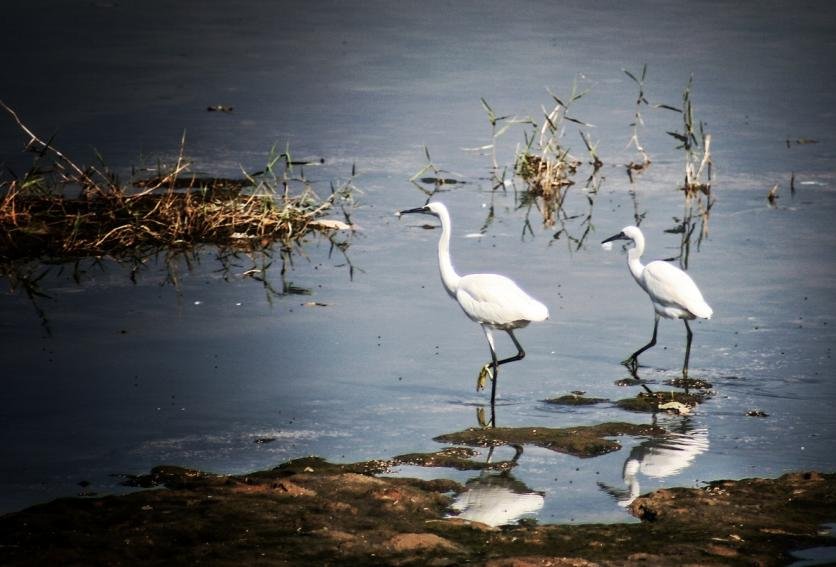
704, 311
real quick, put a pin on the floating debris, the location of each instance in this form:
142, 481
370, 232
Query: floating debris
330, 224
675, 407
772, 196
801, 141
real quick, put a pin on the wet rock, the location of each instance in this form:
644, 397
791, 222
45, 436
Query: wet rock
645, 402
689, 383
583, 441
458, 458
313, 513
625, 382
540, 562
574, 400
422, 542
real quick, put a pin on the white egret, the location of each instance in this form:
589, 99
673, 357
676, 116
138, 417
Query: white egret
492, 300
673, 293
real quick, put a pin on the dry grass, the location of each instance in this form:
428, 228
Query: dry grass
546, 165
59, 210
36, 224
548, 169
61, 213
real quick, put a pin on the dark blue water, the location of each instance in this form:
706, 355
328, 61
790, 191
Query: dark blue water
135, 375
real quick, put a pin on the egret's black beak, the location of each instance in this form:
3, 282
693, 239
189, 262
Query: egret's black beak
415, 210
619, 236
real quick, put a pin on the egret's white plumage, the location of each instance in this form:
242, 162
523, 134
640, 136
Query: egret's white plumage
673, 293
492, 300
496, 301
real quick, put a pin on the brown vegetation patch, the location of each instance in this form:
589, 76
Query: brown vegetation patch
646, 402
349, 518
574, 400
583, 441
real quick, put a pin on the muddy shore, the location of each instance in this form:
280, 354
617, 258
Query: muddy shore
311, 512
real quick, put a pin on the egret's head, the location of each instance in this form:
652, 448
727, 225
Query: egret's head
434, 209
627, 233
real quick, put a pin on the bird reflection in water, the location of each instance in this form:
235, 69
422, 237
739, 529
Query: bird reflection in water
659, 458
496, 498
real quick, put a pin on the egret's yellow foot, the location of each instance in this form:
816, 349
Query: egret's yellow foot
484, 374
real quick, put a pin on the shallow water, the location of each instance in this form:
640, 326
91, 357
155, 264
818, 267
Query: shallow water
135, 375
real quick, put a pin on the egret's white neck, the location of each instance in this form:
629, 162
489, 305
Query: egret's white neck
634, 255
449, 277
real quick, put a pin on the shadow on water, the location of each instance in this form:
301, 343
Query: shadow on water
270, 267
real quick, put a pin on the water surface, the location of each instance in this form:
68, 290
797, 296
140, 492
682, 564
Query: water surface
135, 375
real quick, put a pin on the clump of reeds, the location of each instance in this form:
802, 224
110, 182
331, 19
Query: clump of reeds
173, 209
545, 164
548, 168
695, 144
638, 166
60, 211
499, 126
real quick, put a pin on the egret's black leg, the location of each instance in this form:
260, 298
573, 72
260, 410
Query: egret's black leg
633, 360
495, 366
519, 356
687, 350
520, 352
634, 373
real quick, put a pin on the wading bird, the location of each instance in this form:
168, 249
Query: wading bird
673, 293
493, 301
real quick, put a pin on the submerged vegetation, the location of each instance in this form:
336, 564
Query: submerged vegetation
60, 212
